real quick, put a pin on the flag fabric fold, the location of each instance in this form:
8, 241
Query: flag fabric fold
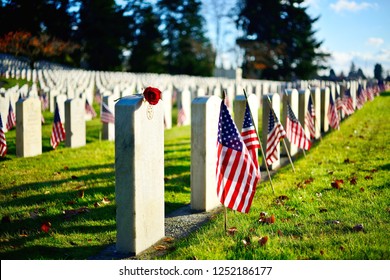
106, 116
3, 142
11, 118
276, 133
249, 136
310, 117
89, 110
58, 132
333, 116
236, 172
295, 132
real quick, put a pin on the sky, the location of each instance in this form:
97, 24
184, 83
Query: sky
355, 31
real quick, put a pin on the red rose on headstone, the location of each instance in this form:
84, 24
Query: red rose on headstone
152, 95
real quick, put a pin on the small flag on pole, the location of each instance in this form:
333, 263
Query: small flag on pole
11, 119
181, 115
347, 103
58, 132
333, 116
106, 115
295, 132
309, 118
89, 110
237, 175
3, 143
276, 133
249, 136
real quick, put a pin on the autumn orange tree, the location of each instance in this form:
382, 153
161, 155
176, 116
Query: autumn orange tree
35, 47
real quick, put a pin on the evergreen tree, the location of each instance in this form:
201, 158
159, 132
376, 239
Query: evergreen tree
187, 50
378, 72
103, 33
278, 40
145, 43
51, 17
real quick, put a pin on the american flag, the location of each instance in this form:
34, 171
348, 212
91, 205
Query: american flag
11, 119
58, 132
89, 110
237, 175
181, 115
3, 143
276, 133
44, 101
295, 132
106, 116
249, 136
310, 117
333, 115
347, 103
360, 98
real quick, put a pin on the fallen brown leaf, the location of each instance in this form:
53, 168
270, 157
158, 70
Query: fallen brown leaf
362, 189
106, 200
263, 240
337, 184
160, 247
368, 177
74, 177
358, 227
231, 231
168, 239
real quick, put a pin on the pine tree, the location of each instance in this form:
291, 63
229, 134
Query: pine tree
145, 44
103, 33
278, 40
187, 50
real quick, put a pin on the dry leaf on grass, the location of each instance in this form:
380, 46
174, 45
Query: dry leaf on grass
263, 240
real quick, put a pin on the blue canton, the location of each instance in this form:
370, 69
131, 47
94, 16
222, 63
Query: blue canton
228, 134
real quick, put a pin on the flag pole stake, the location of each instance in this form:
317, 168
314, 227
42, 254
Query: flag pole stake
284, 141
261, 146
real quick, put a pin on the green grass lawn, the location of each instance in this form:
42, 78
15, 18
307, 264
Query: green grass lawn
70, 192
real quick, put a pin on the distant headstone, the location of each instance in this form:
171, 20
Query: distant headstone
75, 123
316, 97
108, 131
303, 97
28, 127
204, 132
239, 107
139, 174
185, 99
325, 99
167, 101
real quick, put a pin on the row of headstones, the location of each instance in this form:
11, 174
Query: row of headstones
29, 125
139, 152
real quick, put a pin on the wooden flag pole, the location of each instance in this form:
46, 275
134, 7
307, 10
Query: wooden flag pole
284, 142
224, 207
261, 146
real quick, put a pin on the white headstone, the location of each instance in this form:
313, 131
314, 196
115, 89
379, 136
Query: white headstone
325, 99
167, 101
75, 123
28, 127
139, 174
316, 98
204, 133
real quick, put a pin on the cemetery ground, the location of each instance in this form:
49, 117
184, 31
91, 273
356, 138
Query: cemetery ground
61, 204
